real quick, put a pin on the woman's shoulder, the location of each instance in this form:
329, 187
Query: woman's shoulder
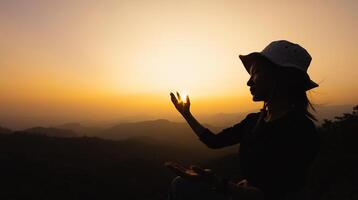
292, 120
249, 120
303, 131
300, 123
300, 119
253, 115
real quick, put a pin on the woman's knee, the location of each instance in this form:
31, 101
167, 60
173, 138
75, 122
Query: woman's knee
179, 183
178, 188
176, 180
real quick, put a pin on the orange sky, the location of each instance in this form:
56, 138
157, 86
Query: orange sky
107, 60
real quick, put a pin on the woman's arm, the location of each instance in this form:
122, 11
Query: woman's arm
198, 129
226, 137
184, 110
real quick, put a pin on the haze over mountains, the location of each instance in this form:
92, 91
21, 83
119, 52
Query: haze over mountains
159, 131
156, 131
90, 127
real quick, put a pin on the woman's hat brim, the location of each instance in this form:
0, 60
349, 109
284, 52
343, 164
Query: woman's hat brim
249, 59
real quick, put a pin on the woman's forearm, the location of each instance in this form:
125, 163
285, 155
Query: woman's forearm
194, 124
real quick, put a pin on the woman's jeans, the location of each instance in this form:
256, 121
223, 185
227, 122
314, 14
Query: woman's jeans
181, 189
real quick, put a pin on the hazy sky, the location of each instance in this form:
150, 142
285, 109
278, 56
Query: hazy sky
74, 60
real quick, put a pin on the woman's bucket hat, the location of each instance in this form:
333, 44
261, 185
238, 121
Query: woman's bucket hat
284, 54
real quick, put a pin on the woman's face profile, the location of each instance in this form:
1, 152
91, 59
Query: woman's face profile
261, 81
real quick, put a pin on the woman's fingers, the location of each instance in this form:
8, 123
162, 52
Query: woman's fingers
179, 97
181, 106
174, 99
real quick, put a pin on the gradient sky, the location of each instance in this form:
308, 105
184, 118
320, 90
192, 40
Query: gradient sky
74, 60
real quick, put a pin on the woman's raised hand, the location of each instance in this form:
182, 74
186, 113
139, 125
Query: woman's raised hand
180, 105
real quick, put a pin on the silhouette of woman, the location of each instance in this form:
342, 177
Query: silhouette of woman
277, 144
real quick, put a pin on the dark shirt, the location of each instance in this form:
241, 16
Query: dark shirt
277, 156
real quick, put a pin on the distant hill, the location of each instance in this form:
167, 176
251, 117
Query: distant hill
55, 132
5, 130
148, 128
160, 130
80, 129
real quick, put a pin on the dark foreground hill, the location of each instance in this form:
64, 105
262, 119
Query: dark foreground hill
41, 167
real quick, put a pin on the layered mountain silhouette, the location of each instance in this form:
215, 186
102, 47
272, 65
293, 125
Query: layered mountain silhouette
64, 163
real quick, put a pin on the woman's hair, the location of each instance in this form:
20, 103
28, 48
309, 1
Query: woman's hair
291, 83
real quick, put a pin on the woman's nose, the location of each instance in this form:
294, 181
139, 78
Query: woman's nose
250, 82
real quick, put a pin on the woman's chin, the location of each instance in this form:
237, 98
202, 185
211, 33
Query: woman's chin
256, 98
